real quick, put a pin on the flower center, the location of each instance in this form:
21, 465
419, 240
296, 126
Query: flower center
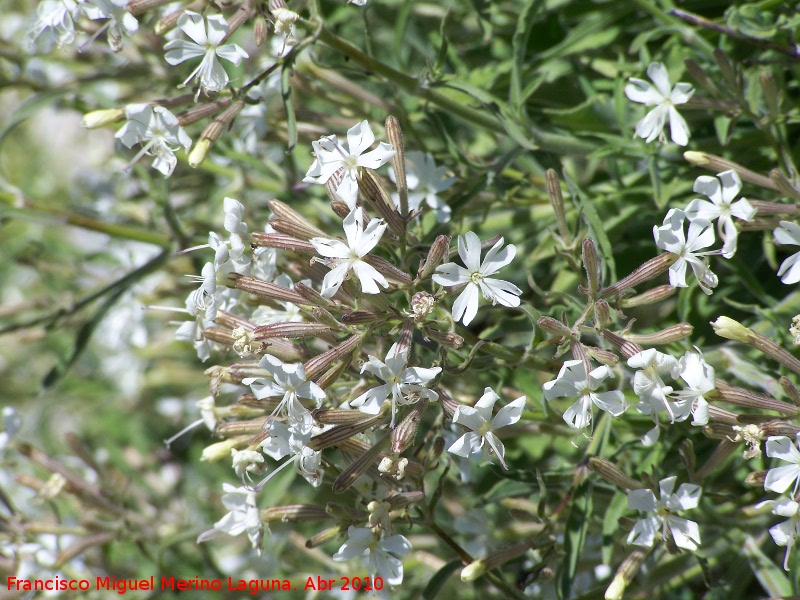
476, 277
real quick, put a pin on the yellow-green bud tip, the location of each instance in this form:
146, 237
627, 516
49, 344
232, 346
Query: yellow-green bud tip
696, 158
199, 153
101, 118
473, 570
733, 330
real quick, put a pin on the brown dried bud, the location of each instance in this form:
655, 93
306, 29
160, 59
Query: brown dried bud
359, 317
591, 264
719, 164
388, 269
649, 270
341, 210
657, 294
294, 513
332, 416
671, 334
743, 397
346, 513
773, 428
613, 475
439, 250
331, 186
756, 479
394, 135
337, 435
276, 4
283, 211
404, 499
404, 434
203, 111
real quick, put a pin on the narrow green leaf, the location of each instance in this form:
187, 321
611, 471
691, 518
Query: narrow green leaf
439, 579
286, 95
769, 575
580, 514
519, 44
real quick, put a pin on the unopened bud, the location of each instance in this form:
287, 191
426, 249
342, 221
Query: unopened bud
212, 132
199, 153
276, 5
325, 536
291, 330
360, 465
783, 185
656, 294
282, 210
649, 270
557, 202
557, 328
281, 242
263, 289
337, 435
319, 363
671, 334
591, 265
239, 18
625, 574
732, 81
613, 475
790, 389
340, 209
381, 201
756, 479
438, 252
359, 317
294, 513
101, 118
733, 330
406, 431
168, 22
449, 405
773, 428
394, 135
451, 340
491, 561
137, 7
604, 357
717, 164
260, 30
744, 397
222, 450
626, 348
699, 75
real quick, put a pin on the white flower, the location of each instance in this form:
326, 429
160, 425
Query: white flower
206, 43
347, 257
722, 191
286, 441
572, 381
242, 516
788, 532
664, 99
331, 156
159, 132
700, 379
425, 181
780, 479
384, 554
289, 381
120, 20
685, 533
670, 237
246, 462
479, 420
476, 277
789, 234
55, 25
651, 389
404, 385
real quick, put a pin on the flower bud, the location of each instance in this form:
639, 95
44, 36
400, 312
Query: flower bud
406, 431
591, 265
773, 428
718, 164
101, 118
451, 340
491, 561
319, 363
649, 270
602, 313
283, 211
557, 328
263, 289
291, 330
557, 202
360, 465
239, 18
281, 242
756, 479
359, 317
671, 334
294, 513
783, 185
222, 450
449, 405
699, 75
325, 536
379, 199
790, 389
213, 130
743, 397
260, 30
733, 330
340, 209
337, 435
604, 357
613, 475
439, 250
137, 7
656, 294
626, 348
394, 135
345, 513
625, 573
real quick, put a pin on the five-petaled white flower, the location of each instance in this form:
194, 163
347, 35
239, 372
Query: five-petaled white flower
404, 385
159, 132
572, 381
425, 181
55, 25
780, 479
479, 420
348, 257
664, 99
119, 19
242, 516
670, 237
788, 532
685, 533
789, 234
651, 389
476, 277
384, 554
286, 441
722, 191
330, 156
288, 381
206, 43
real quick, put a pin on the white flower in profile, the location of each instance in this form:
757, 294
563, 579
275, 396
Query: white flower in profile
330, 156
405, 386
384, 554
285, 441
206, 43
670, 237
479, 421
664, 98
573, 381
425, 182
700, 379
780, 479
120, 21
246, 462
55, 25
344, 258
721, 191
789, 234
476, 277
788, 532
685, 533
651, 389
288, 382
242, 516
159, 132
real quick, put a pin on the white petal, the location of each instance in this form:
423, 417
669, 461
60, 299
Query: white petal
359, 138
466, 305
639, 90
685, 533
657, 72
678, 129
469, 249
378, 157
644, 532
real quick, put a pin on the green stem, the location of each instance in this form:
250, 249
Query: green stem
550, 142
